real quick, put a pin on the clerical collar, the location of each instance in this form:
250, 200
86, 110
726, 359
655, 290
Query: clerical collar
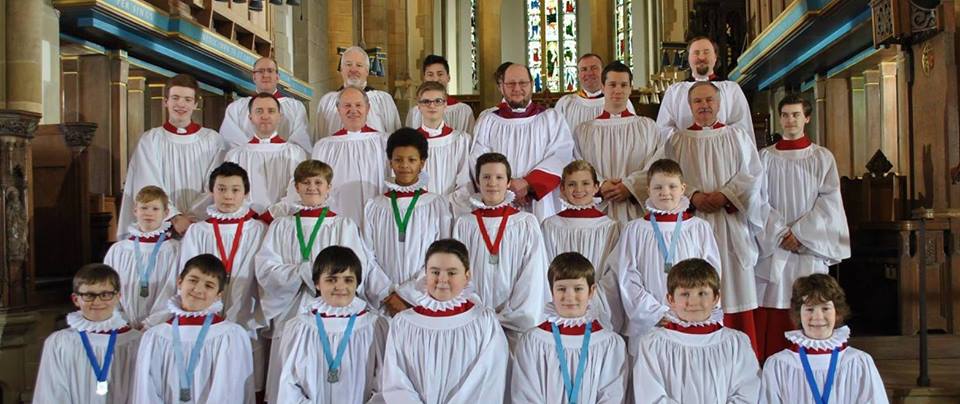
452, 101
175, 307
274, 138
682, 206
431, 133
837, 340
364, 129
796, 144
422, 180
76, 321
241, 213
711, 77
190, 129
608, 115
277, 95
135, 231
715, 319
505, 111
588, 95
319, 305
477, 202
716, 125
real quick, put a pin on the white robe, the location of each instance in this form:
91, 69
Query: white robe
121, 256
536, 370
180, 164
803, 191
459, 359
723, 160
734, 110
675, 367
241, 299
622, 148
576, 109
403, 262
66, 375
270, 169
382, 116
856, 379
516, 288
636, 284
224, 372
304, 376
458, 115
237, 129
448, 161
359, 163
537, 147
592, 237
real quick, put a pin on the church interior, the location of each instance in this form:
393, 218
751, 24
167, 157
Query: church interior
81, 80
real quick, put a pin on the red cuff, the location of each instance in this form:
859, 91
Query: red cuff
542, 183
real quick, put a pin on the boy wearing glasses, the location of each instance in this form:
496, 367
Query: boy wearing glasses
237, 128
449, 148
92, 361
456, 114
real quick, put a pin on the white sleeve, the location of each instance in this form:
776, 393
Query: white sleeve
743, 189
148, 382
648, 380
524, 308
279, 283
739, 113
745, 381
818, 230
299, 129
52, 382
232, 129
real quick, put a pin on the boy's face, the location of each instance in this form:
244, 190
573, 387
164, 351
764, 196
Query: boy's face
493, 182
228, 193
793, 120
432, 104
578, 188
666, 191
446, 276
436, 72
693, 304
339, 289
150, 214
617, 89
570, 296
180, 103
198, 290
818, 320
313, 191
406, 163
101, 307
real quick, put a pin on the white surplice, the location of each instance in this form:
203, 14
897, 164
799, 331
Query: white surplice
66, 374
237, 129
359, 163
577, 109
856, 379
458, 115
382, 116
734, 110
270, 164
122, 257
448, 161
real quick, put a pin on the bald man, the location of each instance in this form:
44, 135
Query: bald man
354, 70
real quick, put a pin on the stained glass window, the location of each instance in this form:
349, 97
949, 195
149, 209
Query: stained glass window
473, 46
623, 25
552, 44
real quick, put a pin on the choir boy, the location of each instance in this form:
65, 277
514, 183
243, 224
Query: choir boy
507, 252
723, 175
621, 145
197, 356
819, 366
581, 226
91, 361
456, 114
449, 348
177, 157
588, 102
147, 261
636, 284
693, 358
355, 153
332, 349
402, 223
570, 358
268, 159
449, 163
804, 236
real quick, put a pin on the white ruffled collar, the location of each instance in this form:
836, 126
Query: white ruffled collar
174, 306
76, 321
681, 207
298, 205
427, 301
431, 133
716, 318
564, 205
839, 337
135, 231
321, 306
216, 214
477, 202
550, 311
421, 183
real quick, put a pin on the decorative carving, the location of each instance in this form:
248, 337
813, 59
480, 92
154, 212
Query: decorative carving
884, 26
927, 59
923, 19
879, 165
16, 130
78, 135
18, 123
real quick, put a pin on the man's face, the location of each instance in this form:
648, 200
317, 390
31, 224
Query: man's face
702, 57
352, 109
792, 119
354, 69
180, 103
265, 76
704, 104
265, 116
589, 70
436, 72
516, 87
617, 89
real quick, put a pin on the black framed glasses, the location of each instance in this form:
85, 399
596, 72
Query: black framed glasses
436, 101
103, 296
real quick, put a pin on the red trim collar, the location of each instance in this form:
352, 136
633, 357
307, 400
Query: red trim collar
567, 330
277, 95
796, 348
120, 330
322, 315
583, 94
266, 217
198, 320
151, 239
463, 308
712, 77
797, 144
315, 213
697, 329
250, 215
192, 128
443, 132
364, 129
588, 213
499, 212
607, 115
504, 111
405, 194
669, 217
273, 139
452, 101
717, 125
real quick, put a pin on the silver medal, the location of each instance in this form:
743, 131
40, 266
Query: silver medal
402, 237
102, 388
494, 259
184, 394
333, 375
144, 292
666, 267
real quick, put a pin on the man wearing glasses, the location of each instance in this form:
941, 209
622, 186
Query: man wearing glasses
237, 128
354, 70
535, 139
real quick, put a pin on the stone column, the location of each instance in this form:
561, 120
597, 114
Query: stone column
889, 117
157, 114
23, 56
833, 107
488, 26
861, 149
136, 112
77, 136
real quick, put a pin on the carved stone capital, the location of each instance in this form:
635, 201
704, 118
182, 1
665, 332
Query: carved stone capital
18, 123
78, 135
